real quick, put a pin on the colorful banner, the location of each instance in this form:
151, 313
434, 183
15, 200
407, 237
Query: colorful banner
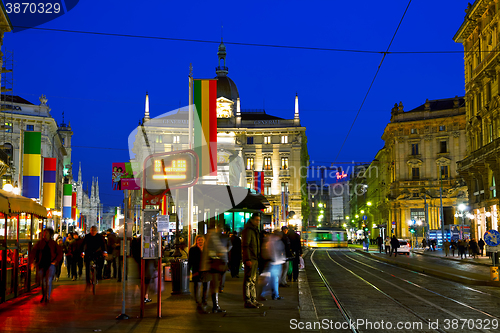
258, 181
73, 206
49, 182
32, 164
124, 177
67, 198
205, 126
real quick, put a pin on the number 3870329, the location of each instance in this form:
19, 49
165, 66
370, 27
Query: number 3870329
32, 8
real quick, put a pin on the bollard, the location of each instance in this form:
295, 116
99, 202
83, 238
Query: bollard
494, 273
175, 270
185, 278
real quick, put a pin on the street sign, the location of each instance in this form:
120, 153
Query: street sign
492, 248
364, 217
393, 222
492, 238
163, 223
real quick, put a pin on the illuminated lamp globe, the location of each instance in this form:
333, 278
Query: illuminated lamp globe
8, 187
461, 207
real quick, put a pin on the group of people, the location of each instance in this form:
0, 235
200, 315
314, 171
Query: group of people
464, 246
391, 245
264, 254
48, 254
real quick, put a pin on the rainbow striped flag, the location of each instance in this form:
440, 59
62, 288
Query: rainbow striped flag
258, 177
49, 182
32, 168
205, 125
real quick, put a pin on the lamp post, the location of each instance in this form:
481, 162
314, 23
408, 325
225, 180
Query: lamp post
461, 209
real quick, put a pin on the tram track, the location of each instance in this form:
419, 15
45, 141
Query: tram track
423, 288
441, 280
392, 287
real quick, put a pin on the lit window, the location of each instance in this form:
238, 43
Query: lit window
8, 127
250, 163
284, 187
414, 149
63, 141
444, 172
173, 209
312, 204
30, 127
267, 189
159, 139
267, 163
249, 140
176, 139
415, 173
443, 147
442, 128
249, 184
414, 131
284, 139
284, 163
267, 140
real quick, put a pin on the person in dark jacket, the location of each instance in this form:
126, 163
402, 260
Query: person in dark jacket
250, 245
481, 245
289, 256
59, 243
296, 249
77, 262
113, 252
235, 255
46, 254
68, 254
194, 264
94, 247
394, 246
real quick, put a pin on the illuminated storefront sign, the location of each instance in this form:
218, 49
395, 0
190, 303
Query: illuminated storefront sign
168, 171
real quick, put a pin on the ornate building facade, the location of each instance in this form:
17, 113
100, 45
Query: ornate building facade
248, 140
419, 160
480, 36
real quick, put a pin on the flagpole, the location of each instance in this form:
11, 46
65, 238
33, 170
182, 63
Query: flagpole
190, 128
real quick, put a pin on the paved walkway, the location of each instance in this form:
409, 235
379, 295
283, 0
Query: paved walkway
74, 309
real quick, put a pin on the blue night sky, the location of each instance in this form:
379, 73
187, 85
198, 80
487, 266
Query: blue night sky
100, 81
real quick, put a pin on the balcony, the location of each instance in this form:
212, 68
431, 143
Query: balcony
482, 65
491, 150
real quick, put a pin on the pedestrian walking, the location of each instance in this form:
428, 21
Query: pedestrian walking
60, 244
214, 261
424, 244
77, 260
387, 245
68, 254
200, 280
250, 245
296, 248
446, 247
394, 246
461, 248
453, 246
380, 243
289, 257
481, 245
274, 251
473, 248
226, 244
235, 255
46, 254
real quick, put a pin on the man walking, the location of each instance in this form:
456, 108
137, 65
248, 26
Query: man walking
46, 254
380, 243
394, 246
251, 252
296, 248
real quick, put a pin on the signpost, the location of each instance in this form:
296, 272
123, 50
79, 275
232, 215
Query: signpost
492, 240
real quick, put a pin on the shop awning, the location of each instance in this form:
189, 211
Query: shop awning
11, 203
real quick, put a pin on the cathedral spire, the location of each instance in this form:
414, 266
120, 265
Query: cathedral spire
80, 173
146, 108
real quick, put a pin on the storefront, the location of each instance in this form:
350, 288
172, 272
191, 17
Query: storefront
21, 224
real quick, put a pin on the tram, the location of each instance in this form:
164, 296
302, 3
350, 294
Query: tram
325, 237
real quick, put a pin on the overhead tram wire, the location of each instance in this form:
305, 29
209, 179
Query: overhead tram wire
297, 47
373, 81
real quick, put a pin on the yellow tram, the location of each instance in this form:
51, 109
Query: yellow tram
325, 237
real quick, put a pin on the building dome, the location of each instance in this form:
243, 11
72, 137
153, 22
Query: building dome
227, 88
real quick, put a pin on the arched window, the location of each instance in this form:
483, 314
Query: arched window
8, 149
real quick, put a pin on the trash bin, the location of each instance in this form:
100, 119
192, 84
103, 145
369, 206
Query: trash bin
494, 273
180, 277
